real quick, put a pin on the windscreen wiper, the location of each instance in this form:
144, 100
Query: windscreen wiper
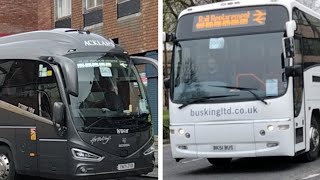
245, 89
114, 122
94, 123
204, 99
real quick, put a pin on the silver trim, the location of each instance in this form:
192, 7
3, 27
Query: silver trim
143, 146
150, 150
272, 120
53, 140
17, 110
220, 122
17, 127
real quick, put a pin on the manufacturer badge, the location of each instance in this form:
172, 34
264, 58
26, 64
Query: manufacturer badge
122, 131
124, 143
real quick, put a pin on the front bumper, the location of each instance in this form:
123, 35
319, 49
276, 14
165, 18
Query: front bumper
108, 169
245, 138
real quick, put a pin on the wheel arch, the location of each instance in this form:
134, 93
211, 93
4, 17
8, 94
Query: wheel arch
5, 142
316, 112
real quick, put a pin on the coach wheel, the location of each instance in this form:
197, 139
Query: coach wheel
220, 162
7, 168
314, 141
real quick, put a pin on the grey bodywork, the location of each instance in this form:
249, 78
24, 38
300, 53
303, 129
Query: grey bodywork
53, 156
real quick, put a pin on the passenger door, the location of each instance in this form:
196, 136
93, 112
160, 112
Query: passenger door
151, 82
299, 98
52, 147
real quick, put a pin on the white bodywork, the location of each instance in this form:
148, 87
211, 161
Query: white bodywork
243, 131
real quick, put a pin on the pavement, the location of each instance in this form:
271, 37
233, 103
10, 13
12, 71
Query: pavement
273, 168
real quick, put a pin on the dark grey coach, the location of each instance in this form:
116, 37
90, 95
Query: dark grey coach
72, 104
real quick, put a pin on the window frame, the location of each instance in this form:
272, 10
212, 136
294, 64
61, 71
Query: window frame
94, 6
65, 11
124, 1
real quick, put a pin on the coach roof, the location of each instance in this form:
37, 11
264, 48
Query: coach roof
56, 42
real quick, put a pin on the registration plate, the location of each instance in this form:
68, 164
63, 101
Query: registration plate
127, 166
224, 148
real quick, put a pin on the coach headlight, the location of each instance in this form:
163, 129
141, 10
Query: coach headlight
150, 150
83, 155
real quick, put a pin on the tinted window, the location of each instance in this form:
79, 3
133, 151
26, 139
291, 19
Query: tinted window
308, 31
29, 85
19, 84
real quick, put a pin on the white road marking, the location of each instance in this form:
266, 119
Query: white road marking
311, 176
192, 160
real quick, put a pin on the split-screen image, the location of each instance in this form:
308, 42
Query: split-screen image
159, 89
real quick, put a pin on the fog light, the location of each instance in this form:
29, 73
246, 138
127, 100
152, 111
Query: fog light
274, 144
83, 169
183, 147
181, 131
187, 135
262, 133
270, 128
283, 127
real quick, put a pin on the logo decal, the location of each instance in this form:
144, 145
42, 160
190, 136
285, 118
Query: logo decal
122, 131
99, 43
26, 108
124, 143
103, 139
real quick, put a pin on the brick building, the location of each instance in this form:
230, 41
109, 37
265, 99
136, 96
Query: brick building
24, 15
133, 24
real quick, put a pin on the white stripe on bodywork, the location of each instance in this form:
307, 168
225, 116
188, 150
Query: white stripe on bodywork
16, 110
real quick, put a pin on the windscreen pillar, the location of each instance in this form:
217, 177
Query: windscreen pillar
152, 90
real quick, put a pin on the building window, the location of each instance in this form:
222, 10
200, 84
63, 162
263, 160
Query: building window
93, 3
127, 7
63, 8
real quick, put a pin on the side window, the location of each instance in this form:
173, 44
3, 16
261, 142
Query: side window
18, 84
48, 90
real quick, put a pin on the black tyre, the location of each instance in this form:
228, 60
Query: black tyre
220, 162
7, 168
314, 141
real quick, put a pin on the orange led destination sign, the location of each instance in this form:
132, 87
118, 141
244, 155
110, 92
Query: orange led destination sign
230, 20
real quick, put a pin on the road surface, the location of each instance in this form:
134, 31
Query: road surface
276, 168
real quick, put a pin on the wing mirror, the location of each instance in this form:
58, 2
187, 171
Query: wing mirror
288, 47
58, 116
293, 71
